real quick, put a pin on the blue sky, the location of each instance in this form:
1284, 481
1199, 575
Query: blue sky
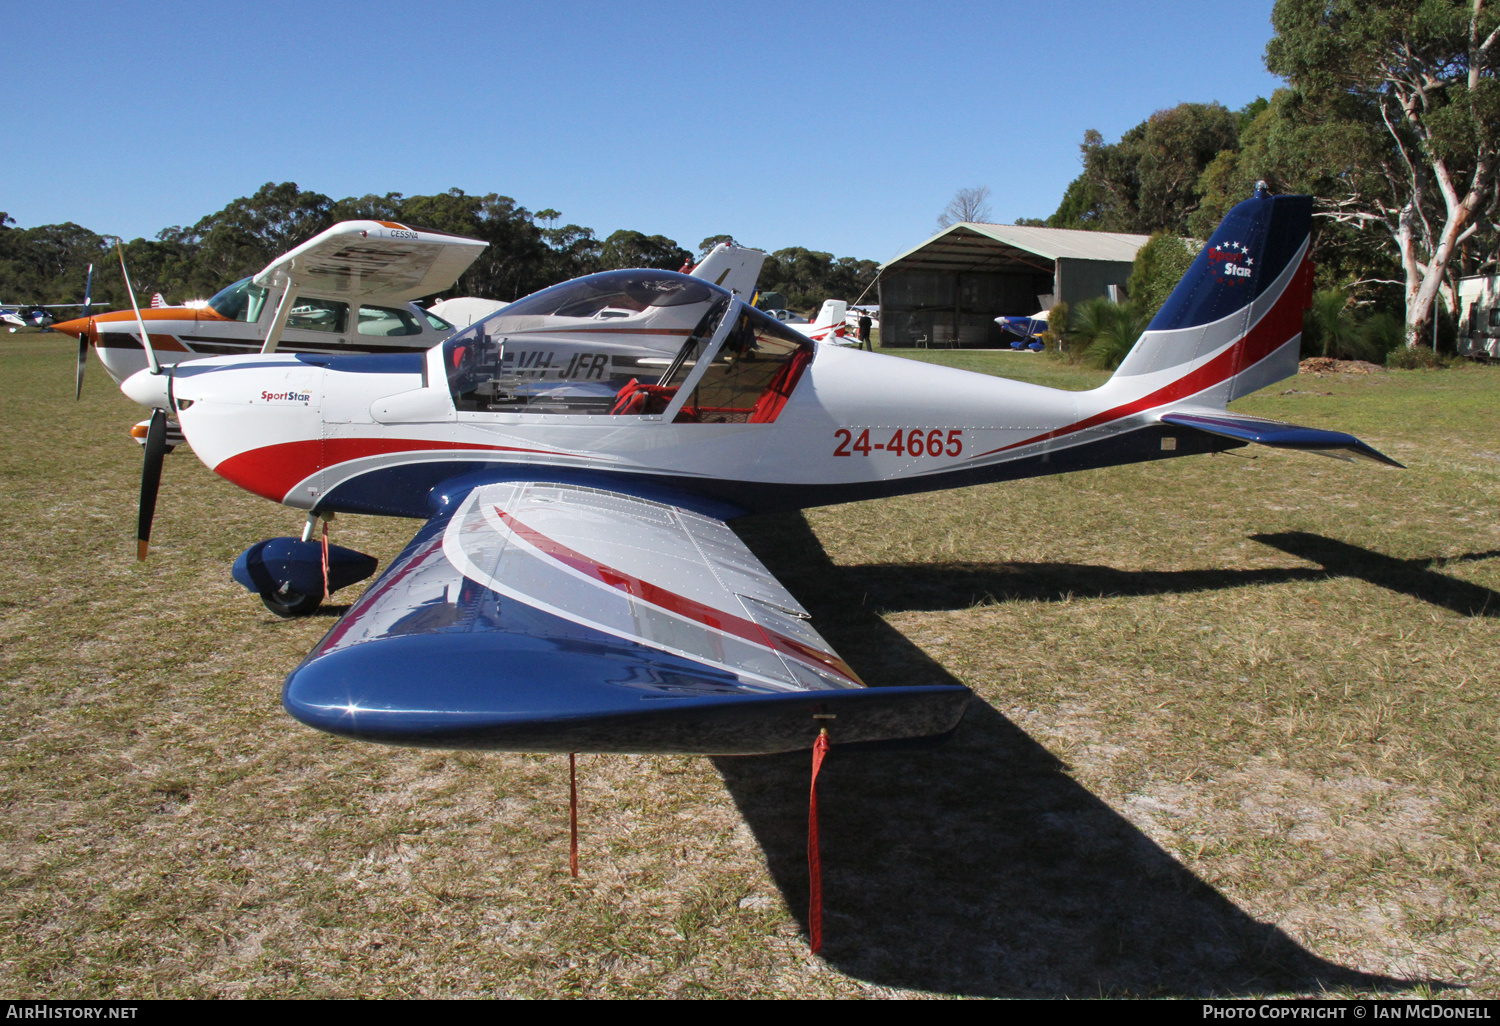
844, 127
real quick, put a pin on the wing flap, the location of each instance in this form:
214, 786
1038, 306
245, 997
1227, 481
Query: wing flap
1277, 434
545, 617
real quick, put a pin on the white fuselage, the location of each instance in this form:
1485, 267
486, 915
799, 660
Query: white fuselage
302, 434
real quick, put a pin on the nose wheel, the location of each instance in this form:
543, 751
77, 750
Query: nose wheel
289, 604
292, 576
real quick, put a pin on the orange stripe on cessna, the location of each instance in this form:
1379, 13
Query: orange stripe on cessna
90, 325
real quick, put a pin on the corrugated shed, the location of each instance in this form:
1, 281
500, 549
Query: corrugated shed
970, 246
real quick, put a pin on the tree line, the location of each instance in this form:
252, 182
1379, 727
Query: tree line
527, 250
1390, 119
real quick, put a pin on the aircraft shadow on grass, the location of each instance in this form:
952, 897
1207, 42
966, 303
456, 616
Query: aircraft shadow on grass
976, 865
1412, 577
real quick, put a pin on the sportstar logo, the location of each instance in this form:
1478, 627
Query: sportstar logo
1231, 261
292, 397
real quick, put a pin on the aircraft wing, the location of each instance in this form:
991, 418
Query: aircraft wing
376, 260
533, 617
1276, 433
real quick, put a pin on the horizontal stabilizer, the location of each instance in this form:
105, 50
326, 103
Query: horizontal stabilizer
1277, 434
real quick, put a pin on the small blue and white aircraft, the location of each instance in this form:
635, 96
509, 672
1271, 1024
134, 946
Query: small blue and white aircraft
39, 315
575, 585
1026, 330
29, 315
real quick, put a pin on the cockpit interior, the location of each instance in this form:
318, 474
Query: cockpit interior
629, 343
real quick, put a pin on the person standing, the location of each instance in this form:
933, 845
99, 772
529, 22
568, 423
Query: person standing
864, 332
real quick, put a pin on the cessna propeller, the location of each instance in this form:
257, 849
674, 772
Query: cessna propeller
83, 336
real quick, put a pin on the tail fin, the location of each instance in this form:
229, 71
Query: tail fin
832, 313
1234, 323
734, 267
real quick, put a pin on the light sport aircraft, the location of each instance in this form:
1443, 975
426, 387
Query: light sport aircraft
575, 587
31, 315
828, 326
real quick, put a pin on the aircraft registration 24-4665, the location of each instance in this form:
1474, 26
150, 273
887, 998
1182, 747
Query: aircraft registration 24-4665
574, 585
916, 442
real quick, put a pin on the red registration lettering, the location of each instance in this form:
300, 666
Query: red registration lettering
904, 442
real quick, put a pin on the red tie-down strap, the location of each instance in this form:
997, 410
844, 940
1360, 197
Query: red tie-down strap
325, 560
814, 862
573, 813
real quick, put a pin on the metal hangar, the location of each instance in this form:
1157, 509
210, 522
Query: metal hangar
949, 290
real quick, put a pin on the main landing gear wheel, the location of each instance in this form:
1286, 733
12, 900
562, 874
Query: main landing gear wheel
289, 604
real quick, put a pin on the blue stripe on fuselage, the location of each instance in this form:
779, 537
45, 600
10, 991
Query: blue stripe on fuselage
367, 363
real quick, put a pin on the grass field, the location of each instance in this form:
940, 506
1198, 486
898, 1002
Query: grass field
1234, 734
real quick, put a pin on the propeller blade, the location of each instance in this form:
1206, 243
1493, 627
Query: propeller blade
83, 357
83, 336
156, 451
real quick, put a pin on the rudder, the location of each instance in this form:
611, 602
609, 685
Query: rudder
1233, 324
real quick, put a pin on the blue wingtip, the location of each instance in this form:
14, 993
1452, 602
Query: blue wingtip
509, 693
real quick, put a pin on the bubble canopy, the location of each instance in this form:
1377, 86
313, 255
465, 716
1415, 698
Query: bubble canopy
610, 295
625, 342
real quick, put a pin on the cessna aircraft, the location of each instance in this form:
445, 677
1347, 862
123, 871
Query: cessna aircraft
301, 302
575, 587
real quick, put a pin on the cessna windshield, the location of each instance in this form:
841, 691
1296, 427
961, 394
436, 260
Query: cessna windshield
241, 301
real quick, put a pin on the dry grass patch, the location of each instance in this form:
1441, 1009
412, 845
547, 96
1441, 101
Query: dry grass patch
1235, 735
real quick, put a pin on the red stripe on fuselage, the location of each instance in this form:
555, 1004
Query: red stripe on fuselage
658, 596
274, 470
1272, 331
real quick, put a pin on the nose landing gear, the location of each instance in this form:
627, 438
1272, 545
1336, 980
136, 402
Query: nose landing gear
288, 573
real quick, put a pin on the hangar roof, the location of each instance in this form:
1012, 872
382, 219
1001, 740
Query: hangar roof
971, 246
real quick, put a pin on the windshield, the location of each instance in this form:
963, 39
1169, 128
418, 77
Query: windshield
241, 301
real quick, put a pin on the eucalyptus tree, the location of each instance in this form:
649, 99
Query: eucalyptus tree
1399, 114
